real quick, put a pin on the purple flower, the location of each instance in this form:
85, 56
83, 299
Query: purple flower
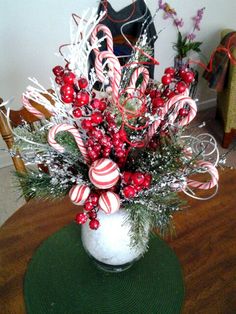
178, 22
167, 16
197, 19
161, 5
200, 12
191, 36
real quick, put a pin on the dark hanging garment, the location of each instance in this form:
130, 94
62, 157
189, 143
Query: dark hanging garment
115, 19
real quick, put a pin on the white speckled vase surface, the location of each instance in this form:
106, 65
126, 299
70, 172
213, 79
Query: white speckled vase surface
109, 245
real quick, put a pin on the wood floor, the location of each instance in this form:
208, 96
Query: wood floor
205, 245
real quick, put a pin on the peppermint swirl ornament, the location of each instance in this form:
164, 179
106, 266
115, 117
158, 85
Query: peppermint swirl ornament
79, 193
104, 173
109, 202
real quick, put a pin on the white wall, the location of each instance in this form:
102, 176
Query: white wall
32, 30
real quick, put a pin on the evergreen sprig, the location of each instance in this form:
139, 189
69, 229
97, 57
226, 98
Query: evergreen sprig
37, 184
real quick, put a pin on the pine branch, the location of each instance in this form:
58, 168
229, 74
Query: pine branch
36, 184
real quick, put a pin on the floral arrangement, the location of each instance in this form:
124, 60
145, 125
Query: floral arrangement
118, 147
185, 43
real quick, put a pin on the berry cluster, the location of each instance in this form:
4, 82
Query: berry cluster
72, 90
104, 137
106, 142
174, 82
90, 212
135, 182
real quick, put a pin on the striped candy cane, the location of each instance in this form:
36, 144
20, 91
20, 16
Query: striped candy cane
211, 169
134, 77
32, 109
114, 65
177, 102
109, 38
67, 128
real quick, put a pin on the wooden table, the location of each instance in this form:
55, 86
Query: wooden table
205, 244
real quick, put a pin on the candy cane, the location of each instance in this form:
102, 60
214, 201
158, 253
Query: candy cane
211, 169
152, 129
112, 62
192, 110
177, 102
32, 109
109, 38
67, 128
134, 77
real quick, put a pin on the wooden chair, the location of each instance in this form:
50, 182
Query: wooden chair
16, 118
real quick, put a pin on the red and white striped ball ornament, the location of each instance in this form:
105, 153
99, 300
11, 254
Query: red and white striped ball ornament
109, 202
104, 173
79, 194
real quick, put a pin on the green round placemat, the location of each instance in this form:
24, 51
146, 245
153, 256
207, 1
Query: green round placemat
62, 279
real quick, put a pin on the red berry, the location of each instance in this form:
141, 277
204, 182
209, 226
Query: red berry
117, 143
83, 83
92, 214
170, 71
106, 152
67, 90
67, 99
127, 177
180, 87
155, 93
95, 103
93, 155
93, 198
96, 118
102, 105
148, 177
129, 191
188, 77
89, 142
116, 136
58, 70
86, 124
182, 72
171, 94
120, 153
88, 206
138, 178
97, 148
183, 112
138, 188
158, 102
59, 80
105, 140
97, 134
68, 78
77, 113
166, 79
94, 224
146, 184
147, 181
81, 218
82, 98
